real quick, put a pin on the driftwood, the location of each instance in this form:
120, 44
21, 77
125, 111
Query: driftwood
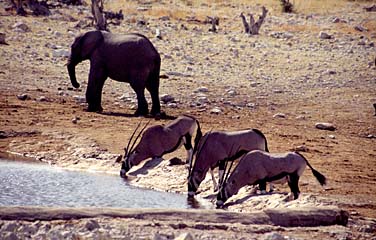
253, 27
99, 18
302, 217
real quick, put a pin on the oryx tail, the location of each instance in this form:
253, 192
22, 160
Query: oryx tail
320, 178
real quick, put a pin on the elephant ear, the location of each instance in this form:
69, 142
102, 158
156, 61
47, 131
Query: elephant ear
89, 42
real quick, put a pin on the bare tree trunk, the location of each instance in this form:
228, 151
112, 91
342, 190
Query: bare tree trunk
253, 27
99, 18
245, 23
19, 8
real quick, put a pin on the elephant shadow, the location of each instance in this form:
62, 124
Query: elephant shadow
129, 115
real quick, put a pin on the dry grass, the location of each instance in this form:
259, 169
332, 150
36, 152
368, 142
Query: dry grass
178, 9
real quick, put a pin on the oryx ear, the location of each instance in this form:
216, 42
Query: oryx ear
118, 159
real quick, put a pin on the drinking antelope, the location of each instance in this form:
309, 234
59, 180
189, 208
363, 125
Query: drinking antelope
217, 147
159, 140
260, 167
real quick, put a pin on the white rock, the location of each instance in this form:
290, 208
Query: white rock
202, 89
79, 99
42, 99
232, 93
279, 115
21, 27
60, 53
172, 105
184, 236
215, 110
325, 126
274, 236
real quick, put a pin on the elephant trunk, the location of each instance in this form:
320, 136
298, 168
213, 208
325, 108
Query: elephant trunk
72, 73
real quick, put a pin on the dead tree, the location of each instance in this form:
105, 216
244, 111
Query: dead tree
214, 21
287, 6
253, 27
99, 18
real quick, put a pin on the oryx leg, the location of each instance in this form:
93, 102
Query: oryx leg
262, 186
293, 182
221, 172
188, 146
271, 187
215, 184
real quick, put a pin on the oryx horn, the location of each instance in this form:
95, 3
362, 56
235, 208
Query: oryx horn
199, 151
138, 136
130, 140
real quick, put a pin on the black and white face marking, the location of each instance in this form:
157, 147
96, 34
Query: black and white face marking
127, 164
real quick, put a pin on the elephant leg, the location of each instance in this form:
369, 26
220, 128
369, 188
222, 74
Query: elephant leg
97, 77
142, 108
152, 86
154, 93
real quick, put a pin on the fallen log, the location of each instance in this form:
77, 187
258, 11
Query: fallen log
287, 217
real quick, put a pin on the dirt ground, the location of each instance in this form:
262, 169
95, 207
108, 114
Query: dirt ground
282, 82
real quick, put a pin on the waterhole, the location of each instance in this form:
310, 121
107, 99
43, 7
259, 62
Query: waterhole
31, 184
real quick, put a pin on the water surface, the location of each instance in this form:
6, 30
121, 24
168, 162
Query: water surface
31, 184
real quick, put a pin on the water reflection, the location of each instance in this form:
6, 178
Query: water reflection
26, 184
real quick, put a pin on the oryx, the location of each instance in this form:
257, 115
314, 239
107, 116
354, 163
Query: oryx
217, 147
159, 140
260, 167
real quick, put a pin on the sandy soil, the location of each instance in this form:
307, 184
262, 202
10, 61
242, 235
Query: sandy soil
282, 82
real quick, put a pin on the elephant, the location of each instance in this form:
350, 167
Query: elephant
128, 58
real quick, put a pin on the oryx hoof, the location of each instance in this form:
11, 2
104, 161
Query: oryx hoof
219, 204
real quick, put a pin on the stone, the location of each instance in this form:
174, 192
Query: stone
79, 99
231, 93
184, 236
279, 115
23, 96
324, 35
42, 99
2, 39
158, 33
176, 161
166, 98
215, 110
10, 227
9, 236
325, 126
202, 89
75, 119
91, 225
172, 105
301, 148
21, 27
274, 236
360, 28
60, 53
